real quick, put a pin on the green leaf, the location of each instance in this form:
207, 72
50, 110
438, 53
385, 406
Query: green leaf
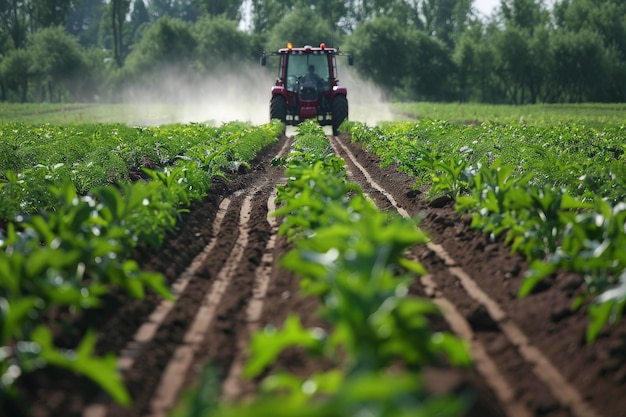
103, 371
537, 271
38, 224
267, 344
457, 350
412, 266
599, 315
13, 313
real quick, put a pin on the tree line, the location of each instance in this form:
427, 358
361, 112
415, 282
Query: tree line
437, 50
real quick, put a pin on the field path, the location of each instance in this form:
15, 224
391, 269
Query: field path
530, 355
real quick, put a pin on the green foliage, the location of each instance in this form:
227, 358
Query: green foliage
168, 43
607, 308
555, 193
389, 66
16, 70
220, 43
82, 361
57, 62
270, 343
581, 65
78, 248
301, 26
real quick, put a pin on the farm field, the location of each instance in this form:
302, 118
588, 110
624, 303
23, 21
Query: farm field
224, 267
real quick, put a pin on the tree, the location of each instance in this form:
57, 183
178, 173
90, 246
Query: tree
139, 19
267, 13
302, 26
185, 10
13, 20
333, 11
541, 64
15, 73
581, 66
407, 63
47, 13
445, 19
219, 41
430, 67
402, 11
379, 49
118, 10
606, 18
59, 62
93, 85
616, 78
523, 14
474, 58
84, 21
229, 8
166, 44
512, 62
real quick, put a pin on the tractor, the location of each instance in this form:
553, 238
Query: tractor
307, 86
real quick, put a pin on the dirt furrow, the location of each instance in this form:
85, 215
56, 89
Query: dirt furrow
174, 333
232, 387
224, 305
146, 332
173, 377
144, 377
564, 399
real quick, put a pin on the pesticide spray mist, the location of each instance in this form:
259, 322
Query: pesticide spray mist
236, 93
368, 103
229, 94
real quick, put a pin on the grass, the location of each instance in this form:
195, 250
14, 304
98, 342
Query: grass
144, 114
538, 114
462, 113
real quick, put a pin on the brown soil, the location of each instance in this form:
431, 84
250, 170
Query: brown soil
536, 362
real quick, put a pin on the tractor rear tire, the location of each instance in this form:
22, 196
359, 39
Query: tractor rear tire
340, 112
278, 108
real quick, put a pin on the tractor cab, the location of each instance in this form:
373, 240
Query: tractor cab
307, 86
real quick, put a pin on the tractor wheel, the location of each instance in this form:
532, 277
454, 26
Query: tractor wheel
278, 108
340, 112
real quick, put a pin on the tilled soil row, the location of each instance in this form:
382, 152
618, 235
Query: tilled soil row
543, 366
209, 321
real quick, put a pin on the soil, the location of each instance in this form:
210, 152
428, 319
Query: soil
531, 356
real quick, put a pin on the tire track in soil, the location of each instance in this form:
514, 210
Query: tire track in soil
173, 377
143, 378
542, 389
146, 332
233, 385
156, 368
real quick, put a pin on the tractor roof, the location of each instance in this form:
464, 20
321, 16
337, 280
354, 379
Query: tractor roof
307, 49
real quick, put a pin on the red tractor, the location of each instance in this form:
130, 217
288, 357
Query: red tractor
307, 86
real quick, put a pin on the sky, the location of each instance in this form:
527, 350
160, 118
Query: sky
486, 7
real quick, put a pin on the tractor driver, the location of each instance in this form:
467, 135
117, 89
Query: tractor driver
311, 76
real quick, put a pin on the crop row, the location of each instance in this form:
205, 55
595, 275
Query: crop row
556, 194
69, 257
351, 256
33, 158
